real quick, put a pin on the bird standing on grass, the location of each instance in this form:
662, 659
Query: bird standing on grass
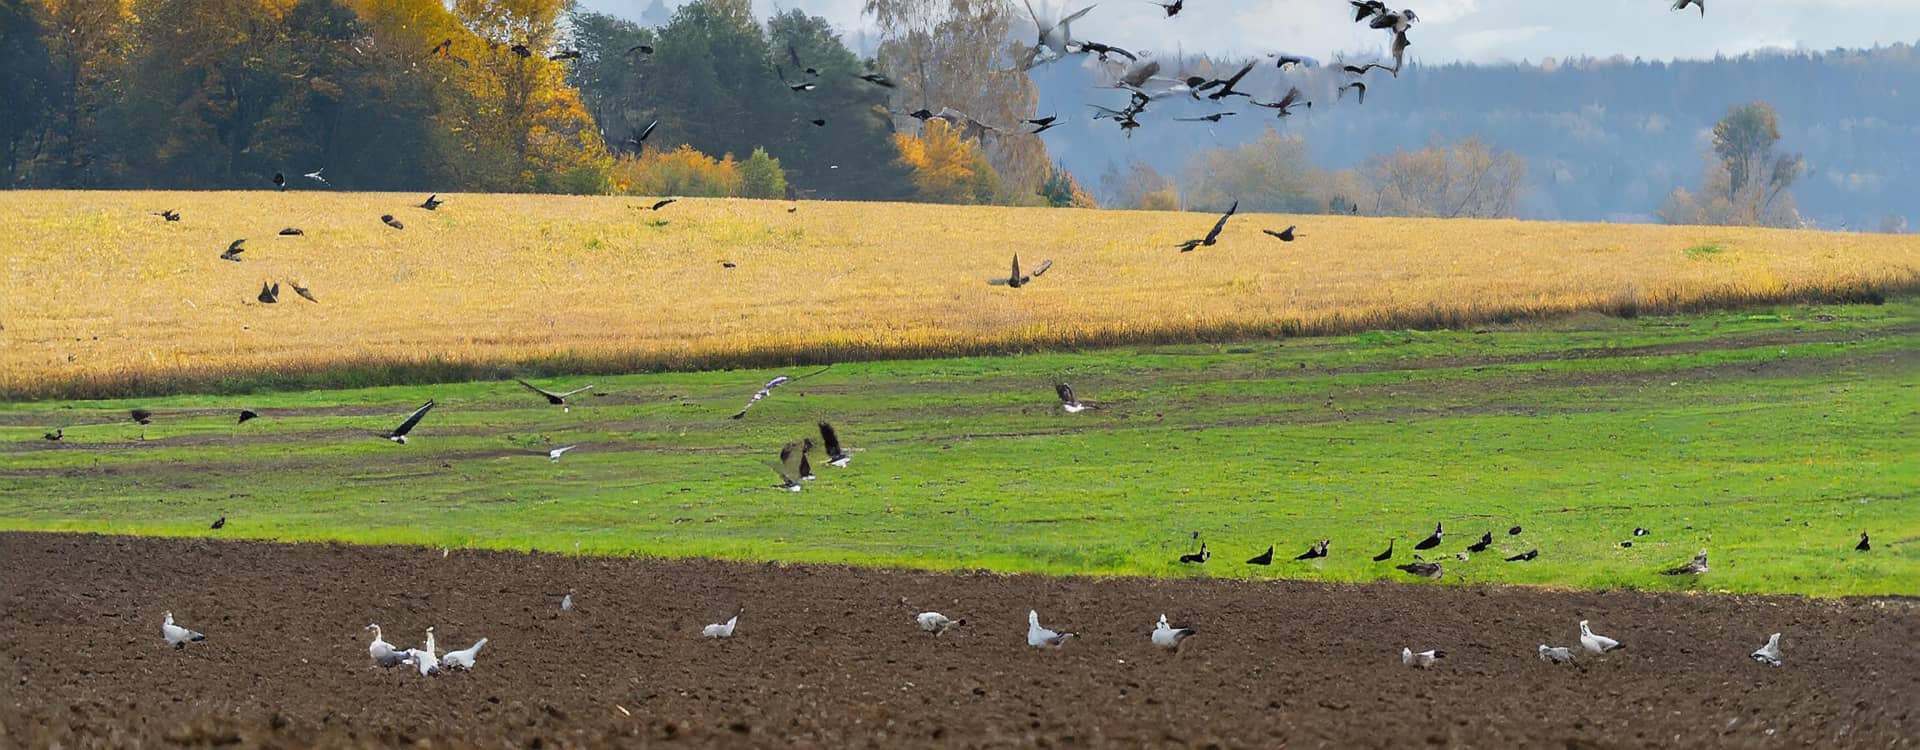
1486, 540
1039, 637
1432, 541
1197, 558
1264, 558
1596, 644
1863, 546
1697, 566
1526, 556
56, 435
1315, 552
556, 399
1422, 568
1017, 280
169, 215
837, 456
1387, 555
219, 523
399, 434
432, 203
1068, 402
178, 637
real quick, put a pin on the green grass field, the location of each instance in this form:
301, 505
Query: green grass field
1770, 437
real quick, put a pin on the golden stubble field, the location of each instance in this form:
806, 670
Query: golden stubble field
99, 297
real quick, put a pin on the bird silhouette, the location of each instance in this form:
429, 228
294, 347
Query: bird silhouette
1264, 558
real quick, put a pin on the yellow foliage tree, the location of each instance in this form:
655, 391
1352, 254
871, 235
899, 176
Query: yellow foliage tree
945, 167
682, 171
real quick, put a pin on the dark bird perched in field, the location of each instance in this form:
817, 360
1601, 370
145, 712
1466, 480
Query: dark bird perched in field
1285, 235
1637, 531
1317, 551
305, 293
1286, 103
556, 399
1439, 530
234, 250
1526, 556
640, 49
1515, 531
1068, 402
663, 203
248, 415
1486, 540
292, 232
1431, 570
169, 215
1387, 555
141, 417
280, 180
565, 54
269, 293
60, 432
432, 203
795, 454
1017, 279
1215, 117
1863, 546
876, 79
1264, 558
521, 50
392, 222
1695, 567
399, 434
1355, 86
837, 456
1213, 235
1172, 8
1628, 543
219, 523
1197, 558
1701, 4
1225, 86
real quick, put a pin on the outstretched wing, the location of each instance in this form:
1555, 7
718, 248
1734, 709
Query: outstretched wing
1066, 393
413, 419
581, 389
1222, 223
830, 439
1044, 265
1016, 268
537, 389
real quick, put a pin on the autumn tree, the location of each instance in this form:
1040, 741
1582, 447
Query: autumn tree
1061, 190
519, 113
1466, 180
1747, 182
83, 39
1139, 186
946, 168
1270, 173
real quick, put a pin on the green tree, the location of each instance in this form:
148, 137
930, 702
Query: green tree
26, 76
1747, 181
1062, 191
608, 75
762, 177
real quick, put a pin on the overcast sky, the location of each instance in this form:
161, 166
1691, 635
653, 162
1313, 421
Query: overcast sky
1451, 30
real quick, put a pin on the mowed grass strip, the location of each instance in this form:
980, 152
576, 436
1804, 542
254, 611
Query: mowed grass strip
100, 298
1771, 438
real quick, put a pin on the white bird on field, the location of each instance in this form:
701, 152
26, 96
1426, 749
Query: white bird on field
1039, 637
425, 658
1169, 637
382, 652
1556, 654
1770, 653
936, 623
566, 602
463, 659
1068, 401
177, 636
1422, 660
722, 630
1596, 644
553, 456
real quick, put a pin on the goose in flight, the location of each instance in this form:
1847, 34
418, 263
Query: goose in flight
723, 629
1225, 86
318, 175
1213, 235
1682, 5
662, 203
382, 652
1387, 555
1770, 653
234, 250
463, 659
1172, 8
765, 391
388, 220
1039, 637
877, 80
399, 434
1355, 86
433, 202
1286, 103
293, 232
788, 468
269, 294
1068, 402
553, 456
1285, 235
1556, 654
178, 637
1264, 558
1439, 531
936, 623
1055, 38
793, 456
1169, 637
304, 292
1103, 50
837, 455
1698, 566
1596, 644
1017, 280
556, 399
1422, 660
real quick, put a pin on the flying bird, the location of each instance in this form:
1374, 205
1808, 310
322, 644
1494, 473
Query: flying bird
936, 623
789, 472
1863, 546
1215, 117
234, 250
798, 87
723, 629
1285, 235
1701, 4
1168, 637
837, 456
1264, 558
169, 215
1225, 86
1526, 556
382, 652
392, 222
1103, 50
1596, 644
1770, 653
1387, 555
304, 292
553, 456
178, 637
1486, 540
292, 232
1039, 637
280, 180
269, 294
1017, 279
1068, 402
1364, 8
1172, 8
793, 456
1695, 567
463, 659
818, 123
219, 523
1197, 558
663, 203
876, 79
1439, 531
1556, 654
1284, 61
521, 50
1317, 551
1355, 86
640, 49
565, 54
765, 391
1361, 70
1212, 235
317, 175
1422, 660
432, 203
1055, 38
399, 434
556, 399
247, 415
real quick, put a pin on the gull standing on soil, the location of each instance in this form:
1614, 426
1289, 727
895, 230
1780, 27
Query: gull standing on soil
1169, 637
556, 399
177, 636
553, 456
1556, 654
837, 456
1596, 644
936, 623
724, 629
1068, 402
1422, 660
566, 602
1039, 637
382, 652
1770, 653
399, 434
463, 659
1697, 566
424, 658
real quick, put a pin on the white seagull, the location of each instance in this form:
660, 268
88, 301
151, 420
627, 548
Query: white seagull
177, 636
566, 602
316, 176
936, 623
765, 391
1039, 637
1556, 654
1770, 653
463, 659
1422, 660
1596, 644
424, 658
1169, 637
722, 630
382, 652
553, 456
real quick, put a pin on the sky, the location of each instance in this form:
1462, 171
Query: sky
1457, 30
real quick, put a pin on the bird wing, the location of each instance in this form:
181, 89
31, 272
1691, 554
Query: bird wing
1222, 223
830, 439
1016, 268
537, 389
1237, 76
413, 419
1068, 21
1044, 265
649, 129
1066, 393
581, 389
303, 291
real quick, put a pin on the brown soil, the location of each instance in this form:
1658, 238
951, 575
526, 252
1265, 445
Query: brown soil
827, 657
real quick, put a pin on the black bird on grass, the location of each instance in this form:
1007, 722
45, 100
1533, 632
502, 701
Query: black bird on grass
1638, 531
1317, 551
432, 203
1069, 402
1486, 540
663, 203
1197, 558
1285, 235
234, 250
1526, 556
169, 215
392, 222
1387, 555
1017, 280
837, 456
292, 232
304, 292
399, 434
1214, 235
247, 415
60, 432
269, 293
556, 399
1264, 558
1515, 531
1431, 542
1863, 546
141, 417
219, 523
1422, 568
